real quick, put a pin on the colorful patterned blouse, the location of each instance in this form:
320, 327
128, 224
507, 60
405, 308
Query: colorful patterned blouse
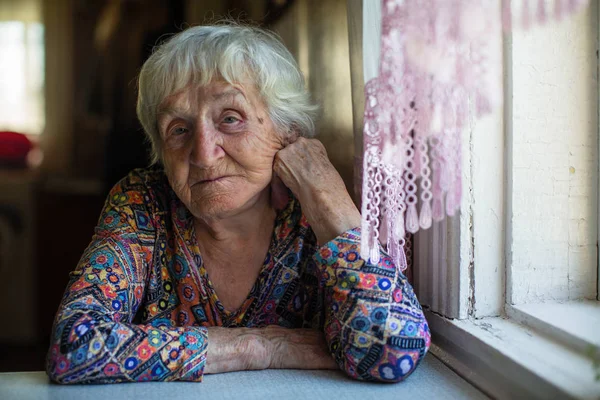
138, 304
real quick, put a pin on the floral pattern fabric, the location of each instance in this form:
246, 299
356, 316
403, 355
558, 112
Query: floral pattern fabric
138, 305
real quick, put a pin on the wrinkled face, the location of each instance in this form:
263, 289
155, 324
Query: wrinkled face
218, 146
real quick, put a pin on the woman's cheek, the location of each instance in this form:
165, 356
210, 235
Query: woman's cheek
177, 170
242, 148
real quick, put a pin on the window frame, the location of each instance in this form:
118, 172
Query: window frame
462, 285
484, 340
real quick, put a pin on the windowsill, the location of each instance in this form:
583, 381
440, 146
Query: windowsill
573, 323
506, 359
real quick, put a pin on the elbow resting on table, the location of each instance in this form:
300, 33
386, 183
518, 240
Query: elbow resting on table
390, 361
52, 369
58, 364
64, 357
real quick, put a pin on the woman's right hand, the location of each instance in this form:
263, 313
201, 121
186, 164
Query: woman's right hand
303, 167
236, 349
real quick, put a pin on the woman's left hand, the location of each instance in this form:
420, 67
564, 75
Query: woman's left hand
303, 166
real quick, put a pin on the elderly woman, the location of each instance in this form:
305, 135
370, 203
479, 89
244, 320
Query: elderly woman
241, 223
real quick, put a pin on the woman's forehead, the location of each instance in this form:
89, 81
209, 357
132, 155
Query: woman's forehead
215, 92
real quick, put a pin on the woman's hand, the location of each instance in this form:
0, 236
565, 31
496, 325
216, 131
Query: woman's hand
297, 349
271, 347
303, 166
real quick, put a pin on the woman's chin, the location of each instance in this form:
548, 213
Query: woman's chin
214, 206
220, 205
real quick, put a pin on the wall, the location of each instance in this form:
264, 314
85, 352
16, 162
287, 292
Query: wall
355, 38
316, 32
57, 139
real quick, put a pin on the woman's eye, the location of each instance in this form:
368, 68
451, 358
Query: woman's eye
178, 131
230, 119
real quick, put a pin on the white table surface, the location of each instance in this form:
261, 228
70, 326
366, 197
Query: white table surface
432, 380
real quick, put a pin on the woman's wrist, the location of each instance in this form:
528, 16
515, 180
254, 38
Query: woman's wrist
236, 350
330, 216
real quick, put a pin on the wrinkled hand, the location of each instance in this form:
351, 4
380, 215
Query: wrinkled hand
297, 349
303, 166
261, 348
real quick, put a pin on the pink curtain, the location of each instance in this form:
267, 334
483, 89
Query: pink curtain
440, 64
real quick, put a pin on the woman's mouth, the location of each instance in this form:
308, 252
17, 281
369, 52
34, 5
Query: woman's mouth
211, 180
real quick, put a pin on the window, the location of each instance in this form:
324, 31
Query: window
512, 283
21, 68
554, 162
552, 274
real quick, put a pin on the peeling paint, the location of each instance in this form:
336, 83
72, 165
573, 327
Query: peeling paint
471, 270
471, 303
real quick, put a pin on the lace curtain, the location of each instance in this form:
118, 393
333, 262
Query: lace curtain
439, 65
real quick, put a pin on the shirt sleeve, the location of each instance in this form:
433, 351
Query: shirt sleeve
93, 338
374, 324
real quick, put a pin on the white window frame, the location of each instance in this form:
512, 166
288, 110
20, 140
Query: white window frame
461, 277
460, 271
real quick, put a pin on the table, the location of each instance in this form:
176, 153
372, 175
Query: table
432, 380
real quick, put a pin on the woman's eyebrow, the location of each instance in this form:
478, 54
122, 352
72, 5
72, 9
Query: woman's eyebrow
233, 92
167, 114
176, 112
171, 112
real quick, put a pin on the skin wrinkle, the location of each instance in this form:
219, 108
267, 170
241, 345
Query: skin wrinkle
214, 132
249, 140
186, 113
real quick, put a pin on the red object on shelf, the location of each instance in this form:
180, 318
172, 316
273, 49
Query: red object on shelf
14, 148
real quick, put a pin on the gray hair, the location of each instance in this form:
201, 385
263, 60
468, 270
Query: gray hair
230, 52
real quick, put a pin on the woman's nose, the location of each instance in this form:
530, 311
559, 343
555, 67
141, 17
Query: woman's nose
206, 148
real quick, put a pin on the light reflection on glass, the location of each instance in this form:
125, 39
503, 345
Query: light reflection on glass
22, 77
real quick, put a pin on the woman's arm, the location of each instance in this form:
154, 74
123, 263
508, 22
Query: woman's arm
374, 324
304, 168
93, 338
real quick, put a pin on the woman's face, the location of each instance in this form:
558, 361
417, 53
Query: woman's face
218, 146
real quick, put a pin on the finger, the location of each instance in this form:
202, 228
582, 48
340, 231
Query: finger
290, 137
279, 193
